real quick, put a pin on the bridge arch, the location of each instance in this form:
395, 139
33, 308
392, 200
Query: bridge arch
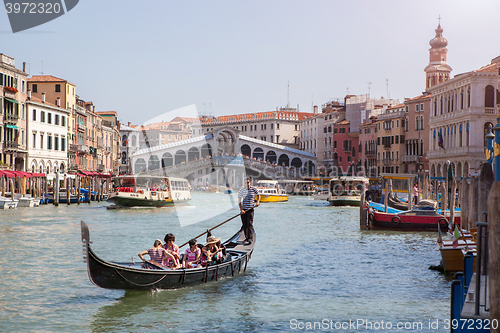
167, 160
271, 156
206, 150
193, 154
140, 165
296, 163
180, 156
284, 160
246, 150
153, 163
258, 153
226, 141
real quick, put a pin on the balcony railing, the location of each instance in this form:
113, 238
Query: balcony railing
10, 145
410, 158
73, 167
370, 153
83, 149
11, 117
73, 148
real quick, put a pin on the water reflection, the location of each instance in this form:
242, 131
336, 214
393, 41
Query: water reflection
175, 309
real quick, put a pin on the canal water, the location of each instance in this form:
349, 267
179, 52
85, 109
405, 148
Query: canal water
312, 268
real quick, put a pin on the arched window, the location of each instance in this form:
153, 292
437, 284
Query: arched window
489, 97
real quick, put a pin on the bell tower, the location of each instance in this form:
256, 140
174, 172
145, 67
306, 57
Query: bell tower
438, 69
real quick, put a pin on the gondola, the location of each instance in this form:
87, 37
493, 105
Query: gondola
111, 275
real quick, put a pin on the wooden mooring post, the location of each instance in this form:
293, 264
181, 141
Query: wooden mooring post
363, 209
55, 190
486, 179
464, 204
473, 202
78, 188
494, 251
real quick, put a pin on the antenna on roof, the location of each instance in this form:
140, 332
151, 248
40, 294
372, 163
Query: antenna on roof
369, 84
42, 66
387, 84
288, 95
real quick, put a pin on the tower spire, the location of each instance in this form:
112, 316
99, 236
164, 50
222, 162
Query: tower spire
438, 69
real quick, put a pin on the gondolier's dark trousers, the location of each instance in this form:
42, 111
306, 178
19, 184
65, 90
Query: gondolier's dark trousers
247, 224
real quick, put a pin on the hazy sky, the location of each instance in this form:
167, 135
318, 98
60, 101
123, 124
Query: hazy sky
144, 58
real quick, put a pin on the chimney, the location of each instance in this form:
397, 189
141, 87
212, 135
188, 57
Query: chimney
24, 66
29, 94
315, 112
129, 124
58, 103
43, 97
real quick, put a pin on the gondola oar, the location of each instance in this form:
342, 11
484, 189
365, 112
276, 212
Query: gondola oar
218, 225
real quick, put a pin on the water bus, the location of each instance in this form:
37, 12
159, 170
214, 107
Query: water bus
149, 191
270, 191
346, 190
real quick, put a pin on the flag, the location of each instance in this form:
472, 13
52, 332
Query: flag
456, 236
440, 238
440, 140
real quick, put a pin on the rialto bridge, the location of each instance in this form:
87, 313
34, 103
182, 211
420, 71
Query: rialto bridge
223, 157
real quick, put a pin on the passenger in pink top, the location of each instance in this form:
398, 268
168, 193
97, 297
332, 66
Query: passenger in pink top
173, 253
156, 253
192, 255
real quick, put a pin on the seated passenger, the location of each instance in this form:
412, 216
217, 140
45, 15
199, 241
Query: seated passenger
222, 251
212, 251
173, 253
192, 255
156, 253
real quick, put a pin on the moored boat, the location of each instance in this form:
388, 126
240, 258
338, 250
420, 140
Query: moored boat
8, 203
270, 191
149, 191
346, 190
420, 218
27, 201
130, 275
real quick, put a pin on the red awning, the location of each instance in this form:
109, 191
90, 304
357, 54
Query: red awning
21, 174
8, 173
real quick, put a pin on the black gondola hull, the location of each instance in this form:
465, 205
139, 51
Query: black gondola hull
111, 275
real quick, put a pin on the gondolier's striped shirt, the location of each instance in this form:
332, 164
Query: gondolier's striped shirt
248, 197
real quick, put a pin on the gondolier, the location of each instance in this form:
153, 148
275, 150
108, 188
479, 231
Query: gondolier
246, 201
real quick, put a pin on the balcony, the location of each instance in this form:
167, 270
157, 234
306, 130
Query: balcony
73, 148
73, 167
82, 149
453, 152
410, 158
10, 145
369, 153
391, 115
10, 118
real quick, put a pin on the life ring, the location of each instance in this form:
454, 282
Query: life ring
371, 218
396, 220
443, 223
140, 191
